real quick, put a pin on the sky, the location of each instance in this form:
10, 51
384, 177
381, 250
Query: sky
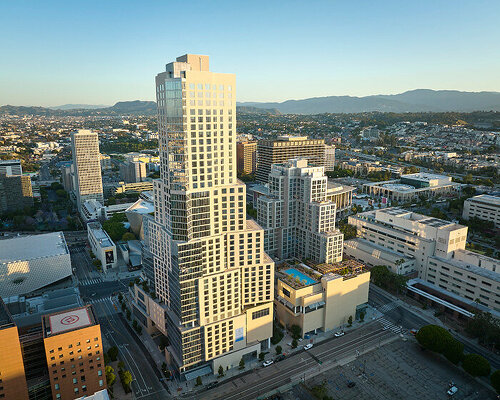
101, 52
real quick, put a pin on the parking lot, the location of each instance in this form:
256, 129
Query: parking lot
399, 370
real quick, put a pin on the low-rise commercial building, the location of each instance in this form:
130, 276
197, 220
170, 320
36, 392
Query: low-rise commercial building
412, 186
484, 206
74, 353
341, 195
32, 263
114, 188
322, 298
102, 245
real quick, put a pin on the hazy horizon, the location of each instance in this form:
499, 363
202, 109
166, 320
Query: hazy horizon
57, 53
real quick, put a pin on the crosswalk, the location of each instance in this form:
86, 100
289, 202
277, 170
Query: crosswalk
389, 325
388, 307
87, 282
101, 300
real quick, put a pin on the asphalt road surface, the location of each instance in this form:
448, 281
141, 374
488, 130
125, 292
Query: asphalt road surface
408, 319
298, 366
146, 384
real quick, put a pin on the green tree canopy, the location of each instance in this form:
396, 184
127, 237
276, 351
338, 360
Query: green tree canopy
495, 380
434, 338
476, 365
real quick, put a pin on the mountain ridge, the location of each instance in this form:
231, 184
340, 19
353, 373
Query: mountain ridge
418, 100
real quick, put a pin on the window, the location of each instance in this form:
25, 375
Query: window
260, 313
56, 386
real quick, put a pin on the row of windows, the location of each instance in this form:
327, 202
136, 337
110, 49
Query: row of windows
260, 313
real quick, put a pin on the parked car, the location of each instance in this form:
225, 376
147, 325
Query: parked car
413, 331
452, 391
339, 334
308, 346
281, 357
351, 384
267, 363
211, 385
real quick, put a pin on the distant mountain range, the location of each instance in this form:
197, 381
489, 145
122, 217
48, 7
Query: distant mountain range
420, 100
78, 107
136, 107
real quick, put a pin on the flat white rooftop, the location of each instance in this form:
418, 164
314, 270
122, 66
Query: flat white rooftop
32, 247
486, 199
69, 320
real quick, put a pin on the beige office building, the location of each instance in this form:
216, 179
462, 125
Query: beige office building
484, 206
285, 148
408, 242
15, 192
211, 272
87, 166
322, 298
246, 153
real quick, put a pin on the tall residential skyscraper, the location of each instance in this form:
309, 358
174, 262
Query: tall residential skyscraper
298, 219
209, 262
284, 148
87, 166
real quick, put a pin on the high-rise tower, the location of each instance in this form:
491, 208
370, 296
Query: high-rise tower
209, 262
87, 166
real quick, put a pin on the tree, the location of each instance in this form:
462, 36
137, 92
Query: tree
120, 297
163, 342
121, 365
434, 338
242, 363
261, 356
454, 351
221, 371
97, 263
113, 353
296, 331
349, 320
110, 375
495, 380
294, 343
126, 379
128, 236
362, 314
278, 349
198, 381
476, 365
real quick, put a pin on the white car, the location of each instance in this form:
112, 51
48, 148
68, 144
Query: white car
339, 334
452, 391
267, 363
308, 346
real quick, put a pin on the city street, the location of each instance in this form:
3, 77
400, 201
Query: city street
115, 332
300, 366
408, 317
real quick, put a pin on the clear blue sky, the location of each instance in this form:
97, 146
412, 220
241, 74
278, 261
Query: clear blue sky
100, 52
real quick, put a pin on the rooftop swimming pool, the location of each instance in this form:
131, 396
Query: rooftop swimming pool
297, 274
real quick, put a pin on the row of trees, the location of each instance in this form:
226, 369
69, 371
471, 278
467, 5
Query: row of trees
439, 340
125, 375
388, 280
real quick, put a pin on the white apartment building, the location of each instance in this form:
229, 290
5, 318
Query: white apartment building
298, 219
87, 167
102, 246
211, 271
484, 206
329, 158
432, 247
